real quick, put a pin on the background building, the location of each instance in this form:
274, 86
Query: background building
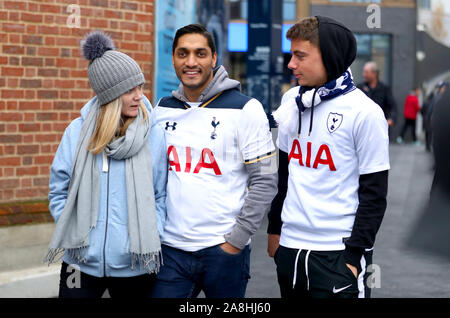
390, 41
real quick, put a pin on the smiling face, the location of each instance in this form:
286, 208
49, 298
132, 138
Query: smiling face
131, 101
306, 63
193, 62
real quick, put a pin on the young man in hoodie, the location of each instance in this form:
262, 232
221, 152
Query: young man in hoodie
333, 169
222, 177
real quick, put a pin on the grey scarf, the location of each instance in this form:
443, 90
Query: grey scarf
72, 232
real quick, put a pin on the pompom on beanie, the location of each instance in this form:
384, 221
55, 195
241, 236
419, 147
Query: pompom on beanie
110, 72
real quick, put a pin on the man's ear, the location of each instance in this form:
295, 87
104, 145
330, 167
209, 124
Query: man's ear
214, 59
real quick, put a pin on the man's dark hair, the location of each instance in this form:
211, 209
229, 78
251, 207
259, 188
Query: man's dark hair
194, 28
306, 29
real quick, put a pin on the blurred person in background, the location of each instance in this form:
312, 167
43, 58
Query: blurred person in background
379, 92
427, 111
432, 233
411, 108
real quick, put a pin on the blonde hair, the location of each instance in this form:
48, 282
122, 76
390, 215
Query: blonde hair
110, 125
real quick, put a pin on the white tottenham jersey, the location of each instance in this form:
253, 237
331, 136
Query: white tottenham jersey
208, 146
349, 137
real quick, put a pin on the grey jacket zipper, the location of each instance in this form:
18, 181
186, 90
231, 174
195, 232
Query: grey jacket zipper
106, 221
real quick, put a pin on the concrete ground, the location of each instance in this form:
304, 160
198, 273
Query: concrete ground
403, 273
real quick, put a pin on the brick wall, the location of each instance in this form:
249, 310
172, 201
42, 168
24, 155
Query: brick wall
43, 82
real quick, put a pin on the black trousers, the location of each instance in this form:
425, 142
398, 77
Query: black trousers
76, 284
409, 124
319, 274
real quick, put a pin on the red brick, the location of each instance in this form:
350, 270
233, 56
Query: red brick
13, 27
44, 170
11, 128
4, 220
43, 160
34, 18
29, 127
48, 8
62, 105
45, 138
28, 171
26, 161
20, 218
32, 61
32, 39
5, 210
47, 94
30, 117
30, 83
12, 93
98, 23
31, 50
12, 82
66, 62
9, 183
27, 149
12, 71
10, 139
48, 51
15, 5
81, 94
131, 26
13, 49
58, 127
8, 116
28, 139
29, 105
48, 72
64, 83
39, 182
126, 5
47, 116
99, 3
66, 41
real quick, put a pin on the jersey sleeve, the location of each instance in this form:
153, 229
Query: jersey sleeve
282, 139
255, 138
371, 140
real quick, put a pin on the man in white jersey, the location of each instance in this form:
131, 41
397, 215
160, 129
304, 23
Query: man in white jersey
333, 170
222, 175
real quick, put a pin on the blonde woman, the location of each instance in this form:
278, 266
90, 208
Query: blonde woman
108, 184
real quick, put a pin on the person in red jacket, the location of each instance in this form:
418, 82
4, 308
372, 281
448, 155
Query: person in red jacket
412, 107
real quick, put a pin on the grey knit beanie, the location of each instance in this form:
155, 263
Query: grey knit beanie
111, 73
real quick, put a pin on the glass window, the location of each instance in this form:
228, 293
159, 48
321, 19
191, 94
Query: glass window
373, 47
238, 9
289, 10
424, 4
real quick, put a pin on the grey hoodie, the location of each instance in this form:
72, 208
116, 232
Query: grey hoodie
220, 82
262, 175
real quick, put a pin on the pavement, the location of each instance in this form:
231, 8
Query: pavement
399, 272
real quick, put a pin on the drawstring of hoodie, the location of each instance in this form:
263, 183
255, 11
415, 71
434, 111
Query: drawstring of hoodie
312, 112
301, 108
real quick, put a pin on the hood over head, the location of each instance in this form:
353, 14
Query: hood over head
337, 46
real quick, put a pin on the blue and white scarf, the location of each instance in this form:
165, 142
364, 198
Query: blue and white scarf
288, 116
